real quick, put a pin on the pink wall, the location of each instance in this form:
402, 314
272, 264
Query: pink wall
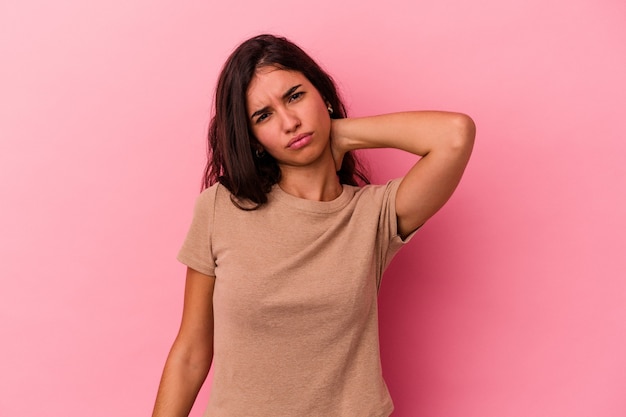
510, 302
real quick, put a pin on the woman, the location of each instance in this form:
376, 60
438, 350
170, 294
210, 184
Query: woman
288, 242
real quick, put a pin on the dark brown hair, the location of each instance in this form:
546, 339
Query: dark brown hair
231, 154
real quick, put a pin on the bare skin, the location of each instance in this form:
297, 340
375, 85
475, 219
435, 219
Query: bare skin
443, 140
283, 106
191, 354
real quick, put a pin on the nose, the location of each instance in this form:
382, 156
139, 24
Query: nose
290, 120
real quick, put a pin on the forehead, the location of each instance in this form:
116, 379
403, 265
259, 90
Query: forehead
271, 83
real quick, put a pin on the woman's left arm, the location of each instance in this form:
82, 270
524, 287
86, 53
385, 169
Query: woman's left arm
443, 140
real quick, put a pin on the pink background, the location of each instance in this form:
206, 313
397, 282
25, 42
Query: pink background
510, 302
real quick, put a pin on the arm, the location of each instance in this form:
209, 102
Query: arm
190, 358
443, 140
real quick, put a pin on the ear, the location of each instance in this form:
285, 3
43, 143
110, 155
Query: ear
259, 151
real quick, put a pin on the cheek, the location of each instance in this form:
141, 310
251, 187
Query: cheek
263, 135
321, 112
323, 116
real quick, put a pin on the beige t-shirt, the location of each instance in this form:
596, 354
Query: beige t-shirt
295, 301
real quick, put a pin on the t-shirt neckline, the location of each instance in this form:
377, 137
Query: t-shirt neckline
313, 206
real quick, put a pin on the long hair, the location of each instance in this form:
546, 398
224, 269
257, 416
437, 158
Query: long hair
231, 154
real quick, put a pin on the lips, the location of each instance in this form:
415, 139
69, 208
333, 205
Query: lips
299, 141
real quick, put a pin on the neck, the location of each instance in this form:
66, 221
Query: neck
311, 183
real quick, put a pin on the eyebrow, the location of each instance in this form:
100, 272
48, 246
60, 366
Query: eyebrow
285, 96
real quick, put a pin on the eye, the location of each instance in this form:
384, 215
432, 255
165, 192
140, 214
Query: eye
262, 117
296, 96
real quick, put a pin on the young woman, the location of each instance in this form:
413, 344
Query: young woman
288, 242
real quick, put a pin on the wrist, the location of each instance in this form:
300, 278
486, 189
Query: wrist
340, 134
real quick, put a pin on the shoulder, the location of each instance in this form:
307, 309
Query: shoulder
378, 192
209, 196
218, 199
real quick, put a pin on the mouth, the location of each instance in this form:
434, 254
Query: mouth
299, 141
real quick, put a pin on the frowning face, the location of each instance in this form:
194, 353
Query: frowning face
288, 117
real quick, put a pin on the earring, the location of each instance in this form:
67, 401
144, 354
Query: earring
260, 153
330, 109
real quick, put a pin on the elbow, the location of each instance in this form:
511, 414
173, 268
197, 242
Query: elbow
464, 133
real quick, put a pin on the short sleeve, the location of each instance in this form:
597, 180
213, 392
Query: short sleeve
196, 251
389, 241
